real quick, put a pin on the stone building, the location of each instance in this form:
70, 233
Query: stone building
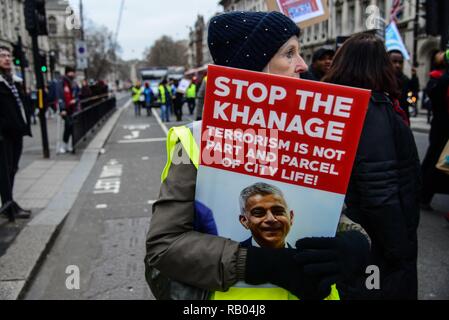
351, 16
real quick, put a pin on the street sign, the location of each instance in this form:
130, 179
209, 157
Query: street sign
81, 55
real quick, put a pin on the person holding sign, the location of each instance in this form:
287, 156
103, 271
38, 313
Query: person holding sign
182, 263
383, 194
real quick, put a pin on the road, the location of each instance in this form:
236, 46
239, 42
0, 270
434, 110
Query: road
104, 235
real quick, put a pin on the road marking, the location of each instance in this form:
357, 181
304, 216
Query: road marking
101, 206
152, 201
163, 126
145, 158
109, 181
143, 140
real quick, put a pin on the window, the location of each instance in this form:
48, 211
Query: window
338, 21
52, 25
351, 17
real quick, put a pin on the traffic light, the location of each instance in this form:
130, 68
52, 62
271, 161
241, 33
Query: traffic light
35, 17
43, 63
437, 19
17, 55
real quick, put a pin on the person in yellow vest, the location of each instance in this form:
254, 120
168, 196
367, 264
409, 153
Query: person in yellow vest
137, 95
164, 99
183, 263
191, 96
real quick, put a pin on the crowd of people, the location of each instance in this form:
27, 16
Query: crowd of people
381, 215
170, 98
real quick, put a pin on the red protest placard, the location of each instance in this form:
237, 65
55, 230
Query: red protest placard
283, 129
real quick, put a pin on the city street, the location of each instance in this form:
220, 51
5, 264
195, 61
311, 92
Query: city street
104, 234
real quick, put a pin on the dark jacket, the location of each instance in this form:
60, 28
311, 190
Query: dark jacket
383, 196
437, 89
407, 85
12, 122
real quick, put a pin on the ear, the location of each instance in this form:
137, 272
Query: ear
292, 217
244, 221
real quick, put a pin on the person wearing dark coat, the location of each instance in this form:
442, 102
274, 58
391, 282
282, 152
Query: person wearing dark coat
383, 193
321, 63
405, 84
435, 181
14, 125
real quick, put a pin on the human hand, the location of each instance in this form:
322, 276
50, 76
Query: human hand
283, 268
336, 258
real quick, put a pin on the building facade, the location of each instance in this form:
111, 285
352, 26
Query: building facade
244, 5
61, 39
348, 17
198, 51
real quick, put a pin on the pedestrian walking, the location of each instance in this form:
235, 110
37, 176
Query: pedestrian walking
149, 98
67, 105
437, 89
181, 262
165, 100
14, 125
191, 97
137, 94
406, 85
178, 102
383, 194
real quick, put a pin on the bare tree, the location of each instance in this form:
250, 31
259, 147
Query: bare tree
102, 51
166, 52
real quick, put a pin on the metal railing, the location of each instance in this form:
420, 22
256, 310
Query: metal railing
94, 112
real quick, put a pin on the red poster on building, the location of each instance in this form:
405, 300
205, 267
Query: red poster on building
276, 141
301, 10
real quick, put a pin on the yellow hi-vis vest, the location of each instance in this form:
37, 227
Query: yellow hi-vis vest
191, 92
137, 92
190, 140
162, 96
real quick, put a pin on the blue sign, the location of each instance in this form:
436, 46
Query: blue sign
393, 40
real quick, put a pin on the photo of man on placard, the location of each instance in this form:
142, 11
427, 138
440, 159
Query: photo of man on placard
264, 212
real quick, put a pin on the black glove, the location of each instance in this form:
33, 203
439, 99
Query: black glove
334, 259
282, 268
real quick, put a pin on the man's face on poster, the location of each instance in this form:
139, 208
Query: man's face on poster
268, 219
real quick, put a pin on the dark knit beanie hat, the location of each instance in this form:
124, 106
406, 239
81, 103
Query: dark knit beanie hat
248, 40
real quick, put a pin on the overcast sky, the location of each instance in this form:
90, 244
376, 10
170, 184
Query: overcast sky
144, 21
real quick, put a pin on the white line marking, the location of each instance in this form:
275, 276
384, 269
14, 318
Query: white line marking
101, 206
145, 158
152, 201
163, 126
143, 140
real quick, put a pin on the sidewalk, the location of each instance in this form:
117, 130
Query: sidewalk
49, 188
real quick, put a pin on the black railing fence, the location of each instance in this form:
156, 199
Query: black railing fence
94, 112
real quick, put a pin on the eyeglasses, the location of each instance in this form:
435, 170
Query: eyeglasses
5, 55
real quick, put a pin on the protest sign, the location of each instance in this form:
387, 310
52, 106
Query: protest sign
276, 156
303, 12
299, 136
183, 85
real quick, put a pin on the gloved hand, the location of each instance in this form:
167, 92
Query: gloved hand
334, 259
282, 267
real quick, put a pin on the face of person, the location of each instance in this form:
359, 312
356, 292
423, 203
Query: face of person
71, 75
324, 64
5, 60
287, 61
268, 219
398, 62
